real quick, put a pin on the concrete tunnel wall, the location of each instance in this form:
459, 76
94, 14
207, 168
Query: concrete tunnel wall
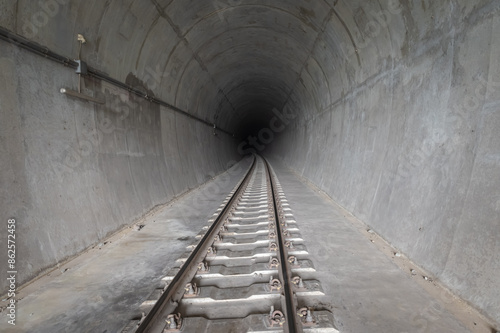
74, 172
395, 104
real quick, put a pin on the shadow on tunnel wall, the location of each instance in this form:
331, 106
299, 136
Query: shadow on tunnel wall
390, 107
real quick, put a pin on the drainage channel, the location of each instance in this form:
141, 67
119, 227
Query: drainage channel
248, 272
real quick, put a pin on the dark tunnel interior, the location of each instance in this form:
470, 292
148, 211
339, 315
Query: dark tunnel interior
389, 107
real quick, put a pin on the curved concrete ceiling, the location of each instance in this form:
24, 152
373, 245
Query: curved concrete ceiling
223, 59
395, 106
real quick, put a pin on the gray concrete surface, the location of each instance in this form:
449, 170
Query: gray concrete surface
391, 107
101, 290
365, 289
73, 173
409, 146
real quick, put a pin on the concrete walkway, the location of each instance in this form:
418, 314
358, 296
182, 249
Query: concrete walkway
368, 291
102, 289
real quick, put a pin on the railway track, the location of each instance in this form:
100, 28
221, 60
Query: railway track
248, 272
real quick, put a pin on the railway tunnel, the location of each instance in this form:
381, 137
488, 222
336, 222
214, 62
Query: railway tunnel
112, 111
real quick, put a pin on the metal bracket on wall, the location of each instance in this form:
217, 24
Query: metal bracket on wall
81, 70
73, 93
43, 51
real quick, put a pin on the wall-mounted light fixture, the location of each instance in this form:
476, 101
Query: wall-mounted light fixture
81, 70
73, 93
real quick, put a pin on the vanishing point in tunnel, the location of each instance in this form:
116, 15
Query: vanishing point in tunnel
290, 165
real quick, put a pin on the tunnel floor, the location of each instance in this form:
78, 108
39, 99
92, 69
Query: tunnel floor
370, 287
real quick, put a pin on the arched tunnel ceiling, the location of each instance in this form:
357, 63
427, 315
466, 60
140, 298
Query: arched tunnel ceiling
382, 90
254, 53
229, 62
219, 60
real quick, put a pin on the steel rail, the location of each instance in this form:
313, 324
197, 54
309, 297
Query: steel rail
155, 320
293, 324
